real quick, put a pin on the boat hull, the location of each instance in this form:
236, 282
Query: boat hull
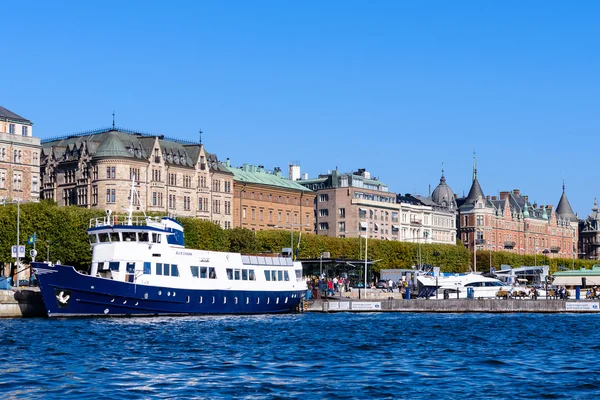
68, 293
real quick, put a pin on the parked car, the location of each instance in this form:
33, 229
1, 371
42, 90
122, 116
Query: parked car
381, 284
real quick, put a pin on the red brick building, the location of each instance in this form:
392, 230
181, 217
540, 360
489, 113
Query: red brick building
511, 223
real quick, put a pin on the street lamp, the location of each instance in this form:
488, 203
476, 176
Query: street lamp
291, 226
17, 185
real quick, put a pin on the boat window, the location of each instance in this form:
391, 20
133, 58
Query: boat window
203, 271
194, 271
129, 236
101, 266
147, 268
268, 275
130, 268
93, 238
143, 236
286, 277
211, 273
113, 265
251, 275
273, 275
174, 270
158, 268
236, 274
299, 275
229, 273
155, 237
279, 275
166, 269
103, 237
244, 274
114, 236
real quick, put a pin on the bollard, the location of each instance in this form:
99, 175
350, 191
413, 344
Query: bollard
577, 293
407, 293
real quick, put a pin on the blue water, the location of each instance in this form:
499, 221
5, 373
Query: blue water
321, 356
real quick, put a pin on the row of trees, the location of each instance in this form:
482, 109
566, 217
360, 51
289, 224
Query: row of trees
62, 231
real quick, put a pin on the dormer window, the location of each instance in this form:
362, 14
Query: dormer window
130, 150
139, 152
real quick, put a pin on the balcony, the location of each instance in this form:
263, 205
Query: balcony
509, 245
480, 241
554, 249
415, 222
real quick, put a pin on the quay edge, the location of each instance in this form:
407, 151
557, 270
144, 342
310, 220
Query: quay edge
21, 303
453, 306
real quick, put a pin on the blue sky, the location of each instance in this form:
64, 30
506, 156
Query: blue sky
395, 87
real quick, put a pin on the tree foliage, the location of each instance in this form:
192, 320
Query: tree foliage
63, 229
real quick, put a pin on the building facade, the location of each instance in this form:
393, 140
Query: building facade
266, 200
589, 235
353, 204
95, 170
19, 158
511, 223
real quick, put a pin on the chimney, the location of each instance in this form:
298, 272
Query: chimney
504, 195
494, 197
487, 197
517, 192
526, 198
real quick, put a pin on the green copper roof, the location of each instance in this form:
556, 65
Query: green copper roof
595, 271
252, 174
112, 147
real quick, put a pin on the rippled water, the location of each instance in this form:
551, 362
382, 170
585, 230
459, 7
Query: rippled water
379, 355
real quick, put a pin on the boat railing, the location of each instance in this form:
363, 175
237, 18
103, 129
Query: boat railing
114, 219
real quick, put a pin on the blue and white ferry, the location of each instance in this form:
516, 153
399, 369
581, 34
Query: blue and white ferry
141, 267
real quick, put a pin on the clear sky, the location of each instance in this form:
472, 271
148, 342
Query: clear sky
396, 87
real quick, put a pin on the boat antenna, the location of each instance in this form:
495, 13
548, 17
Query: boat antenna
131, 197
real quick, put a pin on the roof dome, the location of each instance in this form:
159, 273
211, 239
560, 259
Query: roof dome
443, 195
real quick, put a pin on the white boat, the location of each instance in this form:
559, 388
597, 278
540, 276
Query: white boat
461, 286
141, 267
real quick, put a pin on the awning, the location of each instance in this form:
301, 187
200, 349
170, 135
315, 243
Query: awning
364, 225
576, 280
362, 209
396, 227
376, 225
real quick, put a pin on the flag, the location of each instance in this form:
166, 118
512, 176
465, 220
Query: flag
298, 247
31, 239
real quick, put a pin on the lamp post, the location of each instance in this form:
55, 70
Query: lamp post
17, 185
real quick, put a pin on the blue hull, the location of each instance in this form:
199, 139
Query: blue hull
69, 293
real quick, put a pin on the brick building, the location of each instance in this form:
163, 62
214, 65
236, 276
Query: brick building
266, 200
511, 223
19, 158
95, 170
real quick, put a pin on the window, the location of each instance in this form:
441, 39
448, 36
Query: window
323, 212
229, 273
479, 220
211, 273
166, 269
174, 270
342, 212
342, 226
159, 269
323, 197
11, 128
267, 275
147, 268
113, 265
323, 226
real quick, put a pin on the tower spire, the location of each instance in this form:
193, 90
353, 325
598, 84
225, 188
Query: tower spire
442, 168
113, 121
474, 166
200, 133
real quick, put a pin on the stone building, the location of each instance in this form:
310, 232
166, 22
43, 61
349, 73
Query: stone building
95, 170
19, 158
266, 200
512, 223
353, 204
589, 235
